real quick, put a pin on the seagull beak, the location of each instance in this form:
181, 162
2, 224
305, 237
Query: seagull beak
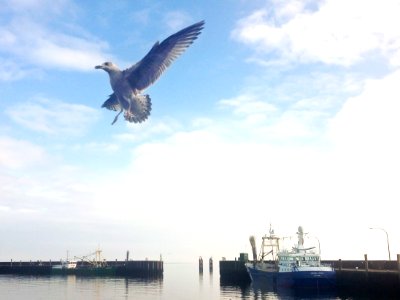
99, 67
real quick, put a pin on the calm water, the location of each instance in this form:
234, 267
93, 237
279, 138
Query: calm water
180, 281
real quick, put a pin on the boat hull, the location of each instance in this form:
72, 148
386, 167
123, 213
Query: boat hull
86, 271
316, 279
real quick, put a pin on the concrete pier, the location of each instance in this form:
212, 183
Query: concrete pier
113, 268
234, 271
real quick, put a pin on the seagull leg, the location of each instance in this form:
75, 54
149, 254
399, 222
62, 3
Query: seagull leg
128, 113
116, 117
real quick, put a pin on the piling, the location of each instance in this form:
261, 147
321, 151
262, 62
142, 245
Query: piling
200, 264
398, 267
210, 264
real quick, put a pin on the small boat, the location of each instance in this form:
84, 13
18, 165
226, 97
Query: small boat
88, 265
65, 264
299, 267
64, 267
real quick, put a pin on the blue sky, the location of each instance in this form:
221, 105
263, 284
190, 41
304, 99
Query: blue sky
282, 112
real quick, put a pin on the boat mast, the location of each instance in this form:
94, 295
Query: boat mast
272, 243
300, 239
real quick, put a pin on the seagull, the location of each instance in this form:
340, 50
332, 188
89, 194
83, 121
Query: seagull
128, 85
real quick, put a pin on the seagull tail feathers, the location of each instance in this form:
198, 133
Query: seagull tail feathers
140, 109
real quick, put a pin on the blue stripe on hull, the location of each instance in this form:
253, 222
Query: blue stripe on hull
304, 279
307, 279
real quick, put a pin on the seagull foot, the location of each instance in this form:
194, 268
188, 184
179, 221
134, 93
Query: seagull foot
115, 119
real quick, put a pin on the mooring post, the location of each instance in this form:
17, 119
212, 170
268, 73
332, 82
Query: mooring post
210, 264
366, 267
340, 264
200, 265
398, 265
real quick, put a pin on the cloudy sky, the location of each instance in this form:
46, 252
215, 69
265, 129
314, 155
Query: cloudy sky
282, 112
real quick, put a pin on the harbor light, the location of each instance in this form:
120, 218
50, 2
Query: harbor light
387, 238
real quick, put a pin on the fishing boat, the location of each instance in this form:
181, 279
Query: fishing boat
66, 266
88, 265
299, 267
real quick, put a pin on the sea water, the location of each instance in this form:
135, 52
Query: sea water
179, 281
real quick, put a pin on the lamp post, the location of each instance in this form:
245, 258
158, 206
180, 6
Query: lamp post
387, 238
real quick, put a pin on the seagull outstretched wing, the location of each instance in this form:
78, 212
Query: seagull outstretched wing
149, 69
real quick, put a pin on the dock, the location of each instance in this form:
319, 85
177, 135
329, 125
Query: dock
131, 268
375, 276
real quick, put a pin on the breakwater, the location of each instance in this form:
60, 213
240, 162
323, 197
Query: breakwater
109, 268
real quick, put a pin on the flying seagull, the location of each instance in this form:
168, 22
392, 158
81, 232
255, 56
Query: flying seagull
129, 84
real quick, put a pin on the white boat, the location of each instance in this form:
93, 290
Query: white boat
299, 267
65, 264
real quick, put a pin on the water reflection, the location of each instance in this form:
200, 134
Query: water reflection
239, 289
272, 291
233, 287
112, 287
180, 282
149, 285
267, 291
211, 278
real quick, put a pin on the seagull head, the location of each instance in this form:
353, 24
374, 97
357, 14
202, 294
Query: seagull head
108, 67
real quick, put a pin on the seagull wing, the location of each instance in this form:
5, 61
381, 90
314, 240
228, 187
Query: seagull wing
149, 69
112, 103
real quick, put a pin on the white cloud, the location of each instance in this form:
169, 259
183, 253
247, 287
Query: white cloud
293, 108
36, 182
45, 47
364, 158
194, 175
67, 53
10, 71
248, 104
369, 122
53, 116
339, 32
33, 37
18, 154
176, 20
286, 10
352, 173
97, 147
186, 176
152, 128
38, 6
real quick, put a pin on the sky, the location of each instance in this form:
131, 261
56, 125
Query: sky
281, 113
